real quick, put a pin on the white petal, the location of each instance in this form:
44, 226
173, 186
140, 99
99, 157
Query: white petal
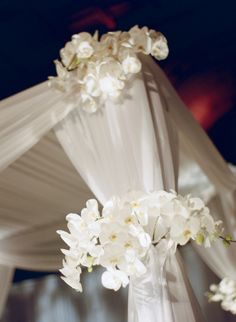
75, 284
73, 216
144, 239
114, 279
110, 281
88, 103
131, 65
197, 203
96, 251
68, 239
160, 48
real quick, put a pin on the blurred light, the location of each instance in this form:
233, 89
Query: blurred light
208, 97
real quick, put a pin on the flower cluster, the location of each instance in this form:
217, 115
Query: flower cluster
120, 237
224, 292
94, 70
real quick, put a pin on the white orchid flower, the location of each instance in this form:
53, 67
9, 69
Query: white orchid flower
133, 266
113, 255
67, 54
225, 293
91, 85
227, 286
114, 279
112, 233
159, 228
84, 50
140, 40
129, 60
110, 44
183, 230
110, 76
83, 44
111, 86
217, 297
159, 48
88, 103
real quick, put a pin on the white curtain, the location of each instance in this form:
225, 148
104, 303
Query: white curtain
131, 147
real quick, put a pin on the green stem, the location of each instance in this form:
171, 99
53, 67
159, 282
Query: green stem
227, 240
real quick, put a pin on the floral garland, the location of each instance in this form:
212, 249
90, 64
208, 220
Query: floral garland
224, 292
120, 236
95, 70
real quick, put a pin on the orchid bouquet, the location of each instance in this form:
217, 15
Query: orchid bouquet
94, 70
120, 236
225, 293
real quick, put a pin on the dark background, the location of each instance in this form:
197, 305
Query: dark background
201, 65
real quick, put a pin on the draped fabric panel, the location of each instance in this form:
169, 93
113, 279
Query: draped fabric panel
36, 192
127, 147
26, 117
193, 138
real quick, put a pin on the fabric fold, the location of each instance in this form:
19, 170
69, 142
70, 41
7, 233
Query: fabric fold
6, 275
26, 118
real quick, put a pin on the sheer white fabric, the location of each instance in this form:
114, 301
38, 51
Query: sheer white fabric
26, 117
127, 147
36, 192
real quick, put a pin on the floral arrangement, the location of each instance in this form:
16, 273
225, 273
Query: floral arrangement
95, 70
224, 292
120, 236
